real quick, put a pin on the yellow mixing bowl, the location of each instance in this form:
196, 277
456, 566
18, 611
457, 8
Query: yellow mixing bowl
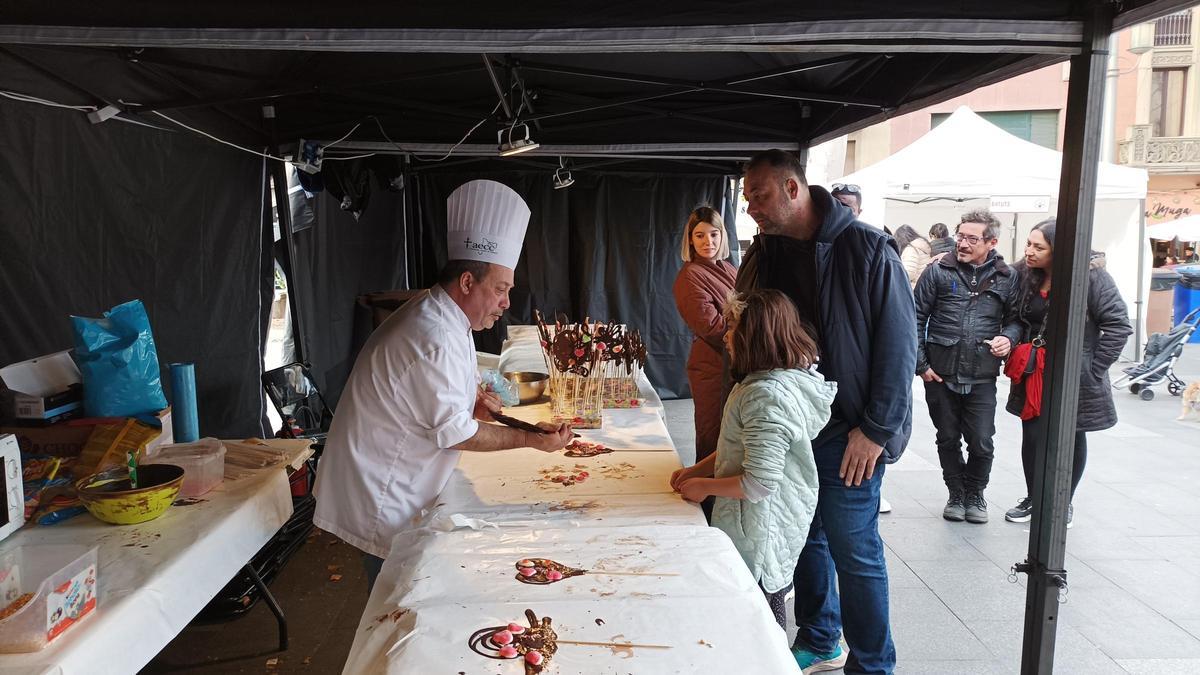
108, 497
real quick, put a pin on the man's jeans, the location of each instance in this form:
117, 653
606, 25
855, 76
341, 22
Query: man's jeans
844, 537
970, 417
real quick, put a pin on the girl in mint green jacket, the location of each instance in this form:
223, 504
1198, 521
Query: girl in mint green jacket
763, 473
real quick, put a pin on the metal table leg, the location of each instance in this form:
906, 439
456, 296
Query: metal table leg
271, 602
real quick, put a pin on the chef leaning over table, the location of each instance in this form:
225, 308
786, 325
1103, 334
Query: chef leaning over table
413, 400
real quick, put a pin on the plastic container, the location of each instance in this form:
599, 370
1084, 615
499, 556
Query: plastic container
1187, 295
203, 464
60, 583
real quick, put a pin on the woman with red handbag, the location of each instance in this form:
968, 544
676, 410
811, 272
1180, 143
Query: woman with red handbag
1105, 332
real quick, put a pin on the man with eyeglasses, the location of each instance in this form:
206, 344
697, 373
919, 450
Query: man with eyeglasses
962, 301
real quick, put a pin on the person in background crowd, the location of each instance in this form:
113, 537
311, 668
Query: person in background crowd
846, 279
940, 240
963, 302
1189, 255
1105, 332
701, 287
914, 252
763, 474
850, 195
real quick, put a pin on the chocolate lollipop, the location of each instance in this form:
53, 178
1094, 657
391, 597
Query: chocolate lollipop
535, 644
542, 571
572, 351
578, 448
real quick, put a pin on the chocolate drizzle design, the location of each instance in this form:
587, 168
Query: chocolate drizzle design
535, 644
542, 571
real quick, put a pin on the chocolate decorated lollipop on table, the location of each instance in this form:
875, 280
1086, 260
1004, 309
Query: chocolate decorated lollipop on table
535, 644
542, 571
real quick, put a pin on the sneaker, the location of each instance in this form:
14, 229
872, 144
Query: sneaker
955, 509
976, 508
1070, 515
884, 505
813, 662
1021, 513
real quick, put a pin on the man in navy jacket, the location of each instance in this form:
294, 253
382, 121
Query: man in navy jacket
849, 285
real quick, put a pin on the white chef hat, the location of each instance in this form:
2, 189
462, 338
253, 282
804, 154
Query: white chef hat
486, 221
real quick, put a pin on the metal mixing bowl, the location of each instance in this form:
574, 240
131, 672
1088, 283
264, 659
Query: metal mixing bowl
530, 386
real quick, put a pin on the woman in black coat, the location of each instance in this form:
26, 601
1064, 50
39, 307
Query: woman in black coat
1105, 332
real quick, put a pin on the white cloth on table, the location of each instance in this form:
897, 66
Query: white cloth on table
409, 400
688, 592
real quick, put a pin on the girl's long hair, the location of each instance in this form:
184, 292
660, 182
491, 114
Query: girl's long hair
767, 333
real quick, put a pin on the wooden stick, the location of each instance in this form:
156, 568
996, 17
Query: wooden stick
633, 574
611, 644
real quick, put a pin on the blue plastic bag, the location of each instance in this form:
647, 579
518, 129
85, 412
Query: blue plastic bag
119, 363
496, 383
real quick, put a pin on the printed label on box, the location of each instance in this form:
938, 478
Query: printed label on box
70, 602
10, 582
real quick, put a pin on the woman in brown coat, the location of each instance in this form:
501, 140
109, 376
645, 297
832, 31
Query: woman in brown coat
700, 289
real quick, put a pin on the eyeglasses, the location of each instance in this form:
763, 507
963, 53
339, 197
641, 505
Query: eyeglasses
850, 188
970, 238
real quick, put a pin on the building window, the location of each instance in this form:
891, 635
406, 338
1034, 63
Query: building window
1174, 30
1166, 101
1035, 126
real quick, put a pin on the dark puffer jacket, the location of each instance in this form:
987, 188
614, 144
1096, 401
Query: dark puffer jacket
1106, 330
866, 321
959, 306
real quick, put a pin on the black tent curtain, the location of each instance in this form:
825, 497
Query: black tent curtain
605, 248
94, 215
339, 256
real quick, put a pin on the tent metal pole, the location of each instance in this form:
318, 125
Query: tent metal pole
1142, 296
283, 208
1051, 491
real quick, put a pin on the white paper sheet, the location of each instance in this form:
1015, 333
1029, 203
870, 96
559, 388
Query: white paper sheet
701, 603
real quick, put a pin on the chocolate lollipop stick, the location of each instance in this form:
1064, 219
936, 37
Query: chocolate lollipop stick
612, 644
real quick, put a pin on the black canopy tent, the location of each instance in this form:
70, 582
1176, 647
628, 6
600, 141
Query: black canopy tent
619, 86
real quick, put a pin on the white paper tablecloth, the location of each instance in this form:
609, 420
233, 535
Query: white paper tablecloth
154, 577
705, 607
456, 575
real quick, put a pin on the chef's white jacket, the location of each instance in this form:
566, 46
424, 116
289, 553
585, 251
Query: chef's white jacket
410, 398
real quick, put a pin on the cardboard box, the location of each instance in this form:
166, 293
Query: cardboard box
59, 440
45, 389
66, 439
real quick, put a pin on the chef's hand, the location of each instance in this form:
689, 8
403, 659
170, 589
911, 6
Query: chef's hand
486, 403
694, 490
556, 438
1000, 345
858, 462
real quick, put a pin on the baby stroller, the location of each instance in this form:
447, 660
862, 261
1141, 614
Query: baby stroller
1162, 351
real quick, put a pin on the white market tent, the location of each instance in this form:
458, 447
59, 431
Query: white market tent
1186, 229
967, 162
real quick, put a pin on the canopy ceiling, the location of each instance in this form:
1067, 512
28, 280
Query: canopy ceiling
703, 80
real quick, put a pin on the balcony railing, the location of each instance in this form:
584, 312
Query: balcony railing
1159, 154
1173, 30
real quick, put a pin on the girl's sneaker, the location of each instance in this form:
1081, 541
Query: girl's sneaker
813, 662
1021, 513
